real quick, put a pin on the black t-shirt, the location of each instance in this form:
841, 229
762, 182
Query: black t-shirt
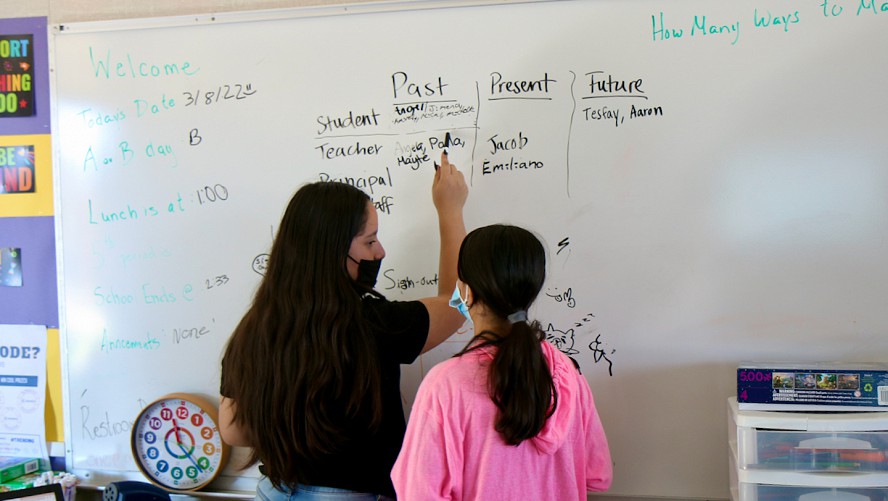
365, 464
401, 329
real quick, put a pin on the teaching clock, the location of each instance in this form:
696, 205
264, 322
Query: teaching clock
176, 442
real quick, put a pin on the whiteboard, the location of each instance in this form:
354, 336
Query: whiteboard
709, 179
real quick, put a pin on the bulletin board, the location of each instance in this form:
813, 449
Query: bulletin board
28, 293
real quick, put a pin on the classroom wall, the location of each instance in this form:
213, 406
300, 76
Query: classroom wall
12, 8
66, 11
73, 11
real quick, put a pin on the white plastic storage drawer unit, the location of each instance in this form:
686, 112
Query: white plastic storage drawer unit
807, 456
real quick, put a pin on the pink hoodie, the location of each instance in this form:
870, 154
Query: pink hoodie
452, 452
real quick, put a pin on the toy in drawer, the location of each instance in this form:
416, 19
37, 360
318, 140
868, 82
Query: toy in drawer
837, 454
815, 452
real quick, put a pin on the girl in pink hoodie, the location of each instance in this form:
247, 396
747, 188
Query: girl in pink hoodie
510, 417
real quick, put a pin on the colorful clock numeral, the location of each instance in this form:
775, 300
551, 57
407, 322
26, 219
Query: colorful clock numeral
206, 432
176, 473
196, 419
150, 437
209, 449
155, 423
162, 466
152, 453
182, 412
203, 462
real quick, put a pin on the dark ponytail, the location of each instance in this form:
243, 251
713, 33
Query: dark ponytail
505, 267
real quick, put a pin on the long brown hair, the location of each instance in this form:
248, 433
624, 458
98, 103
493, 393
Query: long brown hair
506, 266
301, 365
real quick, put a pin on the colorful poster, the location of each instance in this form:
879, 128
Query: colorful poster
17, 169
25, 176
10, 267
23, 390
24, 76
17, 75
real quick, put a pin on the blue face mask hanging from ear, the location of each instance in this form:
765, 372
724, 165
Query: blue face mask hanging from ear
456, 301
368, 270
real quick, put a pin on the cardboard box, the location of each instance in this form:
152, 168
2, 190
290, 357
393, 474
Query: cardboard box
67, 481
14, 467
813, 387
23, 482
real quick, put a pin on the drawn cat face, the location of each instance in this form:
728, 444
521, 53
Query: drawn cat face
563, 340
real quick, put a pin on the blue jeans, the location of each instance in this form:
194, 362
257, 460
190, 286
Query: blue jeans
265, 491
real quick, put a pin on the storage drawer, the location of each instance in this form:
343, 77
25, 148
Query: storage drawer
821, 481
853, 443
812, 451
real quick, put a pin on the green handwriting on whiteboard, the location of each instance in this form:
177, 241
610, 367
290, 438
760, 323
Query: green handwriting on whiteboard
125, 66
835, 8
664, 28
699, 26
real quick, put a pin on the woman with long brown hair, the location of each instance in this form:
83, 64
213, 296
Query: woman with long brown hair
311, 375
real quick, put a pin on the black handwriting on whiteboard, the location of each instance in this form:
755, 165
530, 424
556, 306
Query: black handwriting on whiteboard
565, 297
260, 264
599, 354
563, 340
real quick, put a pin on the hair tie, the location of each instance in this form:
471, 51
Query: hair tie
518, 316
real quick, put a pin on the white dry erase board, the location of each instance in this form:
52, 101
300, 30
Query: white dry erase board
711, 181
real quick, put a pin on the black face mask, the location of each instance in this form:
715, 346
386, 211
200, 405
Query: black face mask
368, 270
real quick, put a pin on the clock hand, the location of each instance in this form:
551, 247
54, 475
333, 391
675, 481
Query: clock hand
184, 450
190, 457
176, 429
